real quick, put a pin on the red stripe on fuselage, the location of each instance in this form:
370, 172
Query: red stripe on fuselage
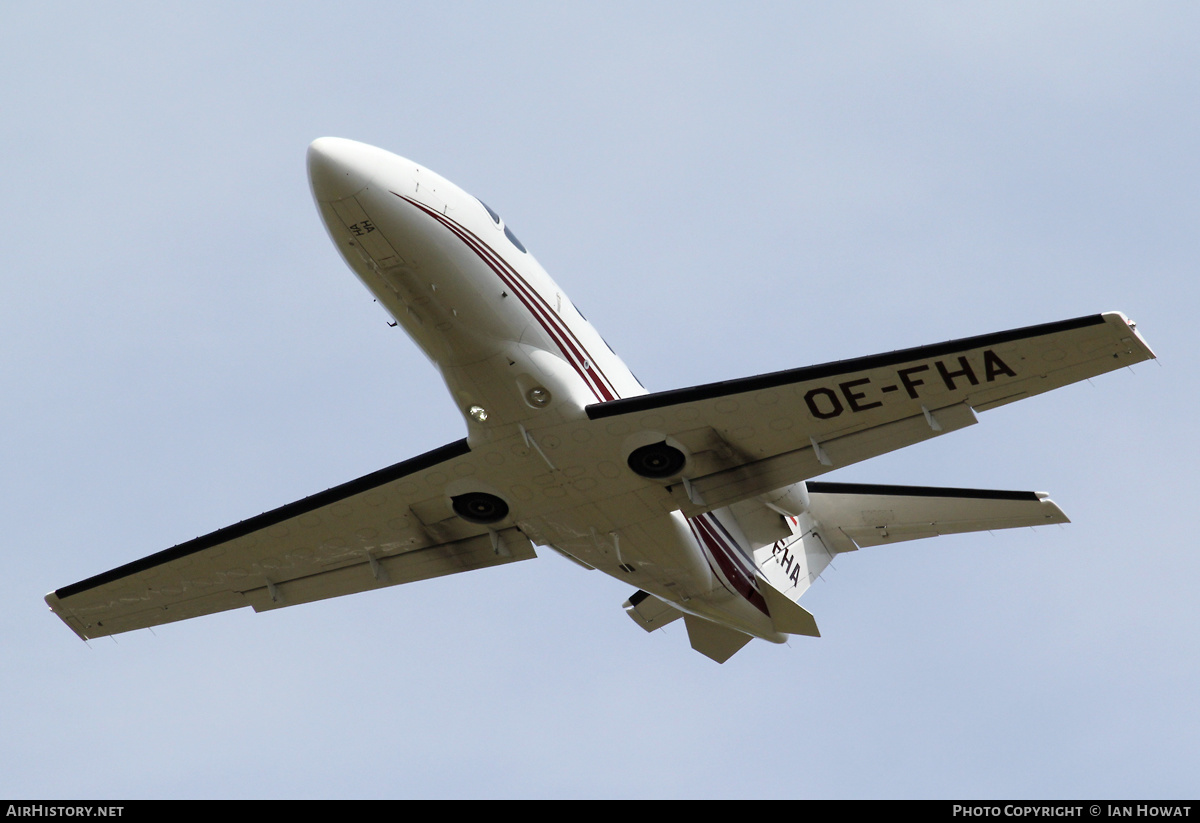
730, 562
560, 333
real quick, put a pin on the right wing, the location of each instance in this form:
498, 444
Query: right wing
751, 436
380, 530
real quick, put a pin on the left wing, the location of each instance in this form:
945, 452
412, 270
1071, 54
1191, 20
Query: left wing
389, 527
746, 437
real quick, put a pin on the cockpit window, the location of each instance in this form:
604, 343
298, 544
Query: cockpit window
508, 233
495, 217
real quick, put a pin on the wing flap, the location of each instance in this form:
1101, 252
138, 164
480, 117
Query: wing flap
742, 482
479, 552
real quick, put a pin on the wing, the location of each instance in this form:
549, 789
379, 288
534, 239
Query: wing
390, 527
750, 436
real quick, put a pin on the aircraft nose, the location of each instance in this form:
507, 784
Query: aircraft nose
337, 168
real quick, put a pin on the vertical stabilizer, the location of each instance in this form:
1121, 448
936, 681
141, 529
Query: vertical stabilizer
713, 640
792, 564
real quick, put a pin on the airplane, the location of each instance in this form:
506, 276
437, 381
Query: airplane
702, 499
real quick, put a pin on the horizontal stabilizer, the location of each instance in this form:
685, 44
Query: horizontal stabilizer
649, 612
858, 514
845, 516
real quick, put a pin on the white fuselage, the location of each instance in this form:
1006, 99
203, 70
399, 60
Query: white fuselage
518, 359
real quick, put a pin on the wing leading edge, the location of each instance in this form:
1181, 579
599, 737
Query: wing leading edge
383, 529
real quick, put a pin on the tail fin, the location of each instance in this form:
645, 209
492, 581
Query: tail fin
843, 517
712, 640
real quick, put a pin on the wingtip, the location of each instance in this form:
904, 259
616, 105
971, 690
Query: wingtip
71, 622
1121, 319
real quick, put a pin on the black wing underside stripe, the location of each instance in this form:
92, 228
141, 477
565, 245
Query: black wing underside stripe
271, 518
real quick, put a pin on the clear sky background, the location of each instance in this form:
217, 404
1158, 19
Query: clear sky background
723, 192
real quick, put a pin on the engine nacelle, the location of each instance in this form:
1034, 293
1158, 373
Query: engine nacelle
479, 507
655, 456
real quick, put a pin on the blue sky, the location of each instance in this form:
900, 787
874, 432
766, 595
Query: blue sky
723, 192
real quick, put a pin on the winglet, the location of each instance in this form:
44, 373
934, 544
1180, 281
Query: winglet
72, 622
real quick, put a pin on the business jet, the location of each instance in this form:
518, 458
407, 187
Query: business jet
701, 499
